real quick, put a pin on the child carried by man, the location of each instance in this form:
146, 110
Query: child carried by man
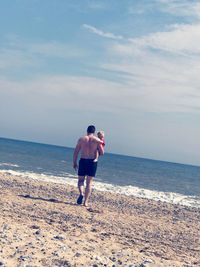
100, 135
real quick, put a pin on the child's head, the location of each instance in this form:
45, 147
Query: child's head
100, 134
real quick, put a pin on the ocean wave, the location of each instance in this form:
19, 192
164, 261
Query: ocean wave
9, 164
70, 179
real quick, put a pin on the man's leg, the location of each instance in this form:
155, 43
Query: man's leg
88, 189
81, 180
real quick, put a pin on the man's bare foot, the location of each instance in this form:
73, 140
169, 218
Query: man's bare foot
85, 204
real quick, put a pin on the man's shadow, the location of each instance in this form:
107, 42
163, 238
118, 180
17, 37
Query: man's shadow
58, 201
48, 200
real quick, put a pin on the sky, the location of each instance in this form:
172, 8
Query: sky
131, 68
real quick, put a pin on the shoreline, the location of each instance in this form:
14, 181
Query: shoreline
127, 190
41, 225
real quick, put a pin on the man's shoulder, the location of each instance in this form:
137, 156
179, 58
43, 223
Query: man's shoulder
83, 138
97, 140
89, 139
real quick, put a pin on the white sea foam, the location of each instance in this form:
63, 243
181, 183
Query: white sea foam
43, 177
9, 164
70, 179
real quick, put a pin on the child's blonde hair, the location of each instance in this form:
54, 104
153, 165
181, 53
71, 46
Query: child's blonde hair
100, 134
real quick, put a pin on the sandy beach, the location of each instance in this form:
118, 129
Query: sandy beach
41, 225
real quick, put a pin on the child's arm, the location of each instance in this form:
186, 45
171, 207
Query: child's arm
100, 150
100, 141
97, 155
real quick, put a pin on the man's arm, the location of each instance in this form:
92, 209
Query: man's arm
99, 141
100, 149
75, 156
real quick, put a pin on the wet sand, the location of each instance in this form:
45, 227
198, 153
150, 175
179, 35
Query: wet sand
41, 225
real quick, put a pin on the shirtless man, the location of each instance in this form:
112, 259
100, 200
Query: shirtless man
88, 145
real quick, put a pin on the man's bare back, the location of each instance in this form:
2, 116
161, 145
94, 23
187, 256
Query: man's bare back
89, 146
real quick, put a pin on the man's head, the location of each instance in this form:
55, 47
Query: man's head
91, 129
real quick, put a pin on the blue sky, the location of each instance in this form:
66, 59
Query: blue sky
129, 67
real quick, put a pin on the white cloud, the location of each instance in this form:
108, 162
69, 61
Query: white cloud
14, 58
181, 39
161, 70
97, 5
101, 33
154, 85
140, 7
153, 82
19, 53
23, 49
181, 7
53, 49
65, 92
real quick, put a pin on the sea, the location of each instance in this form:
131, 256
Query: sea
132, 176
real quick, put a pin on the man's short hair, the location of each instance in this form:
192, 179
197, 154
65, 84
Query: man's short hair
91, 129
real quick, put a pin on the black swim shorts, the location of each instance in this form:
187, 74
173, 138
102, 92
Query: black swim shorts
87, 167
